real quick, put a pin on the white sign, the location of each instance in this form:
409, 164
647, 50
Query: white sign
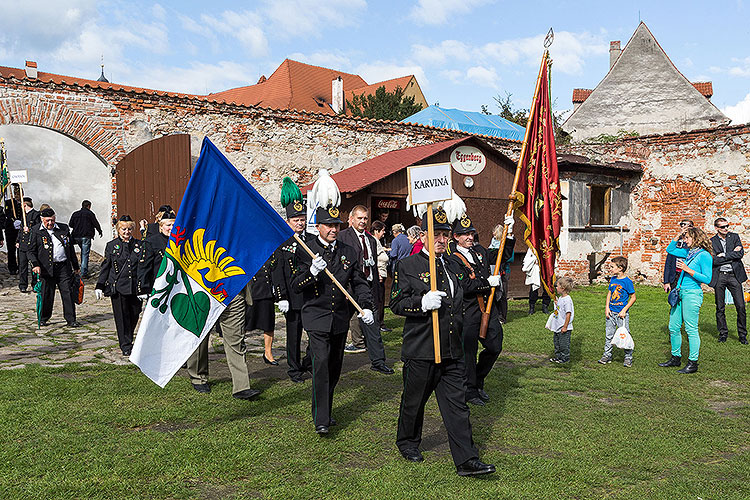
428, 183
468, 160
18, 176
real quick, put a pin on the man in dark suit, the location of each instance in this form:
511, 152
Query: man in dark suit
84, 223
326, 310
54, 259
12, 225
728, 272
411, 297
24, 236
358, 238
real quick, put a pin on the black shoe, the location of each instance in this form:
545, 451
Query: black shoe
244, 394
297, 379
126, 352
23, 290
321, 429
673, 361
483, 395
474, 467
44, 323
382, 369
532, 309
74, 324
476, 401
268, 362
412, 455
545, 308
690, 367
202, 388
332, 422
385, 329
722, 339
743, 340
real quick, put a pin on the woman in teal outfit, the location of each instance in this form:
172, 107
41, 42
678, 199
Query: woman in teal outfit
696, 263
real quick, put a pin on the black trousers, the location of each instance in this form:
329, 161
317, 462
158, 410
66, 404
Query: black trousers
11, 235
126, 308
23, 271
476, 372
534, 296
327, 350
503, 302
724, 281
62, 278
421, 378
293, 341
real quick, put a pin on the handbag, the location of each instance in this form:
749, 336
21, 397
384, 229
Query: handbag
673, 297
76, 289
622, 338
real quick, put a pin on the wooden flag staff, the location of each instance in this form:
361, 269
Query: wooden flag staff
433, 281
486, 315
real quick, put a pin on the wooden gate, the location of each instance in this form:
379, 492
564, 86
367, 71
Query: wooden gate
153, 174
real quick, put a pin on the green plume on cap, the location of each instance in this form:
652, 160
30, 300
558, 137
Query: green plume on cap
289, 192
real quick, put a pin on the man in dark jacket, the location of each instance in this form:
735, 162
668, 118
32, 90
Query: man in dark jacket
84, 223
326, 313
411, 297
54, 259
728, 272
12, 225
24, 236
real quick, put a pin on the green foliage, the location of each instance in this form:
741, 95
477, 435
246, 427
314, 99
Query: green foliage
606, 138
383, 105
518, 116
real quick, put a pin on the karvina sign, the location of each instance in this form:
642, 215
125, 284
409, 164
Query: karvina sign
428, 183
468, 160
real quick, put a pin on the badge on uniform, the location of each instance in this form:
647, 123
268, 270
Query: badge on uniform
425, 277
136, 249
117, 246
345, 262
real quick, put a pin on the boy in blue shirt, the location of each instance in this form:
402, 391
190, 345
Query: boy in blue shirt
620, 298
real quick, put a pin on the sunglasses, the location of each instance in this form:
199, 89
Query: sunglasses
722, 227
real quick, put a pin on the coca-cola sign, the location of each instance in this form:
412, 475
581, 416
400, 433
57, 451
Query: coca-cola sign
468, 160
389, 204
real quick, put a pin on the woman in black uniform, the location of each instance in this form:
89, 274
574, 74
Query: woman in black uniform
118, 280
262, 315
156, 243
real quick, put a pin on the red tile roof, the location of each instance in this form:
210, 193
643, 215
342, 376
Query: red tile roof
294, 85
390, 86
705, 88
370, 171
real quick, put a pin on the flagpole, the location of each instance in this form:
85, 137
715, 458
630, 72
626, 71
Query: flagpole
433, 281
330, 275
486, 315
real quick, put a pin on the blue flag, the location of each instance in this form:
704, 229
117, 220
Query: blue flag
223, 234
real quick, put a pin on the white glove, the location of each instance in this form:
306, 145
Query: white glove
432, 300
284, 306
509, 221
367, 317
17, 224
318, 264
494, 280
99, 294
143, 296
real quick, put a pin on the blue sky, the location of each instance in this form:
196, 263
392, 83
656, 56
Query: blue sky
463, 52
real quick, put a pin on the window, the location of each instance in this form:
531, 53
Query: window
599, 212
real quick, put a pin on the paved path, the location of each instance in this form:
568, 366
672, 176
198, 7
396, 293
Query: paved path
22, 343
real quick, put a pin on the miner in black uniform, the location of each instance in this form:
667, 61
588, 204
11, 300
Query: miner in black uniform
52, 256
13, 222
289, 299
118, 280
24, 237
411, 297
326, 310
474, 262
261, 314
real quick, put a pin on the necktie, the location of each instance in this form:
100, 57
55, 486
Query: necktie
365, 255
443, 280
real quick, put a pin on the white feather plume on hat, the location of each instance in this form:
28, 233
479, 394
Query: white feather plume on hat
454, 208
324, 192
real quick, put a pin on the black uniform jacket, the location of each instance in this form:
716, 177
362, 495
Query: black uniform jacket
285, 270
479, 285
32, 220
326, 308
84, 223
40, 248
350, 237
148, 267
119, 273
730, 257
411, 281
261, 286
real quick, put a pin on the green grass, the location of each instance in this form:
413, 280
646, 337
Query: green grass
583, 431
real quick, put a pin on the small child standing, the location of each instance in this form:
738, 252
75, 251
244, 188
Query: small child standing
561, 320
620, 298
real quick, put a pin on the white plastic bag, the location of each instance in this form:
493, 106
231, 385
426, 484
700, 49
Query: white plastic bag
622, 338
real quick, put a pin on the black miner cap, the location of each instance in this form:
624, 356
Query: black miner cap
328, 215
295, 209
126, 218
47, 212
440, 220
463, 225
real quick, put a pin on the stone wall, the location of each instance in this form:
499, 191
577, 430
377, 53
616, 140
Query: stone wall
698, 175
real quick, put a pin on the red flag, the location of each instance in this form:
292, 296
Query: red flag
538, 199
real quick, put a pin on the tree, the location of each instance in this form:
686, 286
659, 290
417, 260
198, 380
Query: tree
519, 116
383, 105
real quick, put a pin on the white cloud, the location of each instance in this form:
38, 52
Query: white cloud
34, 27
379, 71
245, 26
158, 12
196, 78
484, 77
740, 112
742, 69
441, 11
310, 17
438, 55
452, 75
326, 59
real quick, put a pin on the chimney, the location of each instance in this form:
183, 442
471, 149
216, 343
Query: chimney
614, 52
337, 94
31, 71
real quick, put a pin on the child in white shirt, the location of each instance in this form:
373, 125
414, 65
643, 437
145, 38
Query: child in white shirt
561, 320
